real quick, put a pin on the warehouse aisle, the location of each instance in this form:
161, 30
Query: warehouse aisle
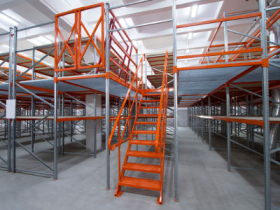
204, 183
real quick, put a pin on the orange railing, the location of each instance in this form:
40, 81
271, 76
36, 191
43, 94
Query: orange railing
163, 99
138, 86
162, 120
74, 48
138, 82
242, 46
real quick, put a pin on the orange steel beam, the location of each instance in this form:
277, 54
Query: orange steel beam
221, 53
223, 61
80, 77
229, 44
256, 63
234, 119
256, 14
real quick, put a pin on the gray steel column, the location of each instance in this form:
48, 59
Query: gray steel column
228, 130
9, 153
33, 62
55, 151
107, 97
14, 97
209, 124
252, 126
265, 90
59, 123
94, 126
247, 125
62, 129
32, 123
202, 121
71, 123
175, 102
235, 124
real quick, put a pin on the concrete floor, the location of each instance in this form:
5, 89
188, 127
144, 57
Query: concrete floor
204, 182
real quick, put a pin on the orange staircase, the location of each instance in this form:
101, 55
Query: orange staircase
144, 158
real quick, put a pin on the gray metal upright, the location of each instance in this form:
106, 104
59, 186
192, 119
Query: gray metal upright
55, 150
10, 97
62, 123
33, 104
209, 124
94, 125
14, 97
176, 198
32, 123
71, 122
228, 130
107, 96
265, 91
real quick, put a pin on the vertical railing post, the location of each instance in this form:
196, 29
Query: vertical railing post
265, 98
9, 153
228, 130
176, 197
14, 97
209, 124
55, 150
107, 95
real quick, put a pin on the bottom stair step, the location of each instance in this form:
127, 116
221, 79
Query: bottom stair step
142, 167
143, 154
148, 184
143, 142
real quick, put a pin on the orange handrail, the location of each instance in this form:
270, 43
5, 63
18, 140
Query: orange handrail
134, 79
158, 142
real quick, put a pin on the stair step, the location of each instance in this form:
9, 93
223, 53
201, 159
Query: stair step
148, 115
143, 154
149, 107
152, 94
142, 167
142, 142
144, 132
150, 101
148, 184
145, 123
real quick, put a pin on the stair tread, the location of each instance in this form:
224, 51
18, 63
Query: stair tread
142, 142
148, 184
144, 154
149, 107
148, 115
142, 167
145, 123
144, 132
152, 94
149, 101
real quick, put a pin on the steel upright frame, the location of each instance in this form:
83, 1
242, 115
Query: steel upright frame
263, 121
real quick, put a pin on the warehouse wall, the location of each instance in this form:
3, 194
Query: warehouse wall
183, 117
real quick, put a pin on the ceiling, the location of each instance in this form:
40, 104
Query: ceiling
151, 39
